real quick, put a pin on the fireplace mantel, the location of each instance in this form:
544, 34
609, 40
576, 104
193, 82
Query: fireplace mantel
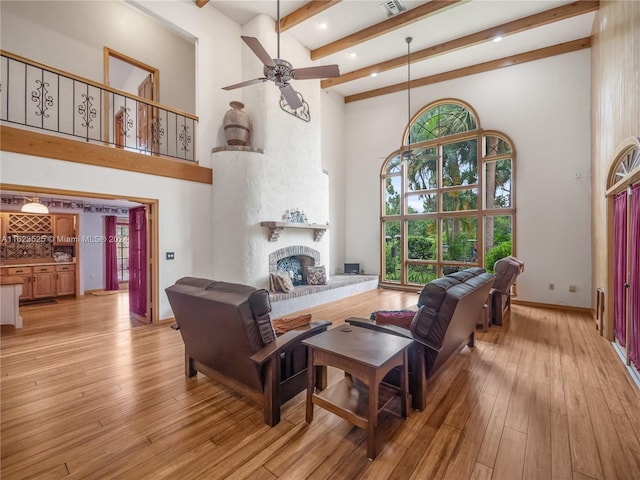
276, 227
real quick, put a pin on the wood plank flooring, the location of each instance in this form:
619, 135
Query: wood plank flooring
87, 394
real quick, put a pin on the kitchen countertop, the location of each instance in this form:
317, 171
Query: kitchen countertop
32, 262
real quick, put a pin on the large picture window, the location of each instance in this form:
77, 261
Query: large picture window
447, 198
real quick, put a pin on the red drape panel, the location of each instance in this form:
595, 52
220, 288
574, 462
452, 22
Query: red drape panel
110, 254
620, 267
137, 261
634, 291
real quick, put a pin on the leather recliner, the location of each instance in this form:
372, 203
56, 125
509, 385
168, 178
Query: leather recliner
506, 270
449, 309
228, 336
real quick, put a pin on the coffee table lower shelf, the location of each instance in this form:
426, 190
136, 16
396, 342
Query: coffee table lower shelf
351, 401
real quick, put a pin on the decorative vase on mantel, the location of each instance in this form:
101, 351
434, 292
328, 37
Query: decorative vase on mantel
236, 125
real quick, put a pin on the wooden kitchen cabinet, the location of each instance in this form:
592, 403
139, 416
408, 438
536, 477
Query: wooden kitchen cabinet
27, 280
64, 229
65, 279
3, 228
44, 281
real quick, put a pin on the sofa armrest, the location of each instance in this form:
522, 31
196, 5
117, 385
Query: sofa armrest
391, 329
288, 339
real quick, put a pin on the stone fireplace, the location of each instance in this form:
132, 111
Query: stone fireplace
294, 260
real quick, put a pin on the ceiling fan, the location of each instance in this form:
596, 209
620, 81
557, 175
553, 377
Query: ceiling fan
281, 72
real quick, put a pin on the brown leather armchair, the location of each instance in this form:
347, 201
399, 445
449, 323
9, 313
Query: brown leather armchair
450, 308
228, 336
506, 270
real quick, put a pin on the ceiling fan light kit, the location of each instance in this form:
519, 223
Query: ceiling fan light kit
281, 72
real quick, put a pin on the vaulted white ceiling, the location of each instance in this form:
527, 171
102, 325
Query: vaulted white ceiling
444, 29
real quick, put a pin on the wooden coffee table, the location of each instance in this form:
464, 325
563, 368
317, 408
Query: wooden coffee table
367, 356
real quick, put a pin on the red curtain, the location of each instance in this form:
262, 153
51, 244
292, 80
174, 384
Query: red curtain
620, 268
110, 254
634, 290
138, 261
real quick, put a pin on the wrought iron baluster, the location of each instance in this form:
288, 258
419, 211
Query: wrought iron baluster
85, 108
185, 137
42, 99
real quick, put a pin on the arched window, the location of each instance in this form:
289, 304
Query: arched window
448, 198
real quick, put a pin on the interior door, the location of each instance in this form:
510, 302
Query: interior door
138, 266
620, 268
634, 278
626, 282
119, 132
146, 117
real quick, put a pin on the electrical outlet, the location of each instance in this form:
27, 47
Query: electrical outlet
171, 256
572, 288
551, 286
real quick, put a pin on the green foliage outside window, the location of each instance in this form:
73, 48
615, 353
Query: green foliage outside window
422, 274
501, 250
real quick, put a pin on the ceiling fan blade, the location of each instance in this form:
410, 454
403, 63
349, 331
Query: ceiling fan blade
254, 44
244, 84
322, 71
291, 96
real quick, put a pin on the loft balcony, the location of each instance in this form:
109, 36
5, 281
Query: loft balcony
51, 113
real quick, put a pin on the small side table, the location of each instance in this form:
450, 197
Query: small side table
366, 355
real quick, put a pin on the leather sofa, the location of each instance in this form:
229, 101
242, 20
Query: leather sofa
506, 270
228, 336
449, 309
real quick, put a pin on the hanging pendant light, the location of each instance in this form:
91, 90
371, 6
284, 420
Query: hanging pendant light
34, 206
407, 154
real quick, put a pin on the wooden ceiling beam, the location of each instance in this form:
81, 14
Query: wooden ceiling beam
479, 68
516, 26
305, 12
201, 3
381, 28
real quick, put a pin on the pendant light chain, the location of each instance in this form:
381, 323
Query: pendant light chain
408, 40
278, 28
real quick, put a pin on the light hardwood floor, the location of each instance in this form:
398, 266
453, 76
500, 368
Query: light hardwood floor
85, 395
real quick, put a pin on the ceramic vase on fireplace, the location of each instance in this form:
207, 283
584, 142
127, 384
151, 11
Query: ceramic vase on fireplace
236, 125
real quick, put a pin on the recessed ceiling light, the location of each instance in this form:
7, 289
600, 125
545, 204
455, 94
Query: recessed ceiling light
374, 74
497, 38
353, 54
322, 26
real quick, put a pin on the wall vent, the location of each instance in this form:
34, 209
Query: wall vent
393, 7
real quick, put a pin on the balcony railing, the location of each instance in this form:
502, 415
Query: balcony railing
36, 96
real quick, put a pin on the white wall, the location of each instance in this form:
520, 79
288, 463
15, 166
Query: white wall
250, 188
91, 253
333, 162
544, 107
71, 36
